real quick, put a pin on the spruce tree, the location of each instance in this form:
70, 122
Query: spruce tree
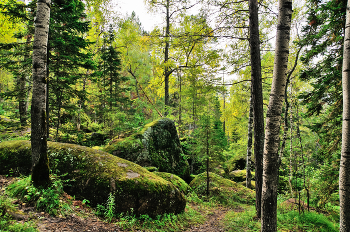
113, 95
67, 59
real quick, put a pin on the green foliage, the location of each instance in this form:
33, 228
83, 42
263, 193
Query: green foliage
307, 221
209, 142
242, 220
171, 222
48, 200
6, 221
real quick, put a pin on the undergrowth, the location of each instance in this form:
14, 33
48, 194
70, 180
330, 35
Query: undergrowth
49, 200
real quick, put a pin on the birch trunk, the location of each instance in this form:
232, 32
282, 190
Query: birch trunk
273, 120
40, 164
344, 172
257, 99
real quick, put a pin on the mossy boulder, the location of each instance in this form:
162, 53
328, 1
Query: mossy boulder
240, 175
156, 145
224, 190
252, 183
176, 181
94, 174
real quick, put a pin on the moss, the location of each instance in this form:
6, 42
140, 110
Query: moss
176, 181
240, 175
244, 183
152, 169
94, 174
156, 145
223, 189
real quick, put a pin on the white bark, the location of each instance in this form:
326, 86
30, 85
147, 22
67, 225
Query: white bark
344, 173
273, 120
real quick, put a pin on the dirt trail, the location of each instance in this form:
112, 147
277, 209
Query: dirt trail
213, 222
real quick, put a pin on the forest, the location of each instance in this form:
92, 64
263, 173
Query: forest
229, 115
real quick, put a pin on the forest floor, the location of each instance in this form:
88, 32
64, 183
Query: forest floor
83, 218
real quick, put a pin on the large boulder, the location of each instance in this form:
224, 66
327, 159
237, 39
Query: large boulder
157, 145
224, 190
240, 175
95, 174
179, 183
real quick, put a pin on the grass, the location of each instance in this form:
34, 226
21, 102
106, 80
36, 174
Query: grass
307, 221
242, 221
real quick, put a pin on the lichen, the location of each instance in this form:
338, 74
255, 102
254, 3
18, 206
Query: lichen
92, 173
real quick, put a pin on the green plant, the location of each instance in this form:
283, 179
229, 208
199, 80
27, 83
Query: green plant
6, 221
48, 200
109, 213
307, 221
242, 220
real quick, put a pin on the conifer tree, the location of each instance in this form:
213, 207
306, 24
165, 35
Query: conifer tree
67, 58
113, 98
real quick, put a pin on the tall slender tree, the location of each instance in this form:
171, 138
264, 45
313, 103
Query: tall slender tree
40, 163
344, 173
257, 100
273, 119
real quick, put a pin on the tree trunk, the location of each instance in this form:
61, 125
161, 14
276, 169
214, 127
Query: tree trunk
23, 91
344, 173
166, 59
22, 100
273, 120
208, 178
40, 164
257, 99
249, 146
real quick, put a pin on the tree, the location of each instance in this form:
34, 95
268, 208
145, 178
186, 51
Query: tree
170, 8
110, 81
257, 100
40, 163
344, 173
273, 118
16, 55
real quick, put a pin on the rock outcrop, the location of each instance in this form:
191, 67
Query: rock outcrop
94, 174
179, 183
157, 145
223, 189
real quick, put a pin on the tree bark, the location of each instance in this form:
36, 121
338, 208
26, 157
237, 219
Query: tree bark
249, 146
273, 120
166, 59
344, 172
257, 100
40, 164
23, 91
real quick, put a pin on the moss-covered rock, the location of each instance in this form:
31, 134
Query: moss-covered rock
94, 174
252, 183
240, 175
176, 181
156, 145
223, 189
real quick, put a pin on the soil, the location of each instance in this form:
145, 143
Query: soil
83, 219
